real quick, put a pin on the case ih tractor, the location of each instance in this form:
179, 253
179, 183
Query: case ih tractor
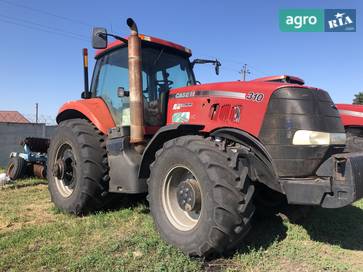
200, 151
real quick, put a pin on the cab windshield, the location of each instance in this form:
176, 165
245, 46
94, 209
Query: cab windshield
162, 69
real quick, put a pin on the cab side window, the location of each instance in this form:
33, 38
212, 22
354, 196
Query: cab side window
112, 73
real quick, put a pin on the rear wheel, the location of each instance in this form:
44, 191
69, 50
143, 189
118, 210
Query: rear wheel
16, 168
77, 167
200, 196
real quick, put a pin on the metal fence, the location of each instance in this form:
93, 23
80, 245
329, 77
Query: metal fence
11, 134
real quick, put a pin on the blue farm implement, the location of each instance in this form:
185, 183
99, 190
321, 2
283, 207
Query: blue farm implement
31, 162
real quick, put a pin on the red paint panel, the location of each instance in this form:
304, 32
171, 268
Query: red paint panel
94, 109
350, 119
224, 112
252, 112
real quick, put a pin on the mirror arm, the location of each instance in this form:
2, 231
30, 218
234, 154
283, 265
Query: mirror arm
102, 35
215, 62
204, 61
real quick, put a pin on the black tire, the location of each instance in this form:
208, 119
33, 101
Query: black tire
226, 190
90, 167
16, 168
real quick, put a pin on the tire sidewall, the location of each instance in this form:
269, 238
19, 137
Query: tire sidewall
18, 167
179, 156
64, 135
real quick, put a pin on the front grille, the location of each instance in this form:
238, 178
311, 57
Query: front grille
292, 109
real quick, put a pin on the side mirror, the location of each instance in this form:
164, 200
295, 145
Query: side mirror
217, 64
99, 38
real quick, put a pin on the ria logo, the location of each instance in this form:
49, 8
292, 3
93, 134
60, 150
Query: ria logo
317, 20
340, 20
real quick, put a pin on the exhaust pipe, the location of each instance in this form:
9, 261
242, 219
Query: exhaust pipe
135, 85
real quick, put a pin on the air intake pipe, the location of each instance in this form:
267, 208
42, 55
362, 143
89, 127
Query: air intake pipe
135, 85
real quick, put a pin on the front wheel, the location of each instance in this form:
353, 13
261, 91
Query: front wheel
77, 167
200, 202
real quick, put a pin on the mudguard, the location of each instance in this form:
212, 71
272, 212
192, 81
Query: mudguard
94, 109
261, 163
164, 134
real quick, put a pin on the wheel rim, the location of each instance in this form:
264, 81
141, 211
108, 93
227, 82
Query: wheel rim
182, 198
64, 170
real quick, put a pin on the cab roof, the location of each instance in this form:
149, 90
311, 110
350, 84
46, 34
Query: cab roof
143, 37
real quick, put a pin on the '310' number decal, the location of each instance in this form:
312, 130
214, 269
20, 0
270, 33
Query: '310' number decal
258, 97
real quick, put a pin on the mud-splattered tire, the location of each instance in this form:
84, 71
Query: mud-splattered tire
226, 192
16, 168
82, 186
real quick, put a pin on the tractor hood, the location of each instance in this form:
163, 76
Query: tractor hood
265, 87
250, 97
273, 112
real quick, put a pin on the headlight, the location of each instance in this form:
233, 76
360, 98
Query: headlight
308, 137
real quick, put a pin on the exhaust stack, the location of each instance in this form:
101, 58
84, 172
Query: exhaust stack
135, 85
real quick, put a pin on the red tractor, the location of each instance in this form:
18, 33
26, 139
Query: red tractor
198, 150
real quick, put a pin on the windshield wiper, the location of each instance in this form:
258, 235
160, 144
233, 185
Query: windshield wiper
158, 57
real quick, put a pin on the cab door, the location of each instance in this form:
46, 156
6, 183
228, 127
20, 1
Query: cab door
111, 73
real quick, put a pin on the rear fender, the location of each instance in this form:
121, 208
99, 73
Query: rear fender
93, 109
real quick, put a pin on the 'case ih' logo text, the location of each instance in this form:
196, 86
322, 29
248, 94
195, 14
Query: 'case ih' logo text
185, 95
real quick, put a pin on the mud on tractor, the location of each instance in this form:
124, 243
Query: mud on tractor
200, 151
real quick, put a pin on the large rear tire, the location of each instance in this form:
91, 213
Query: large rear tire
200, 195
77, 167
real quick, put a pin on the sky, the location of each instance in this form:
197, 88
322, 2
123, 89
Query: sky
42, 40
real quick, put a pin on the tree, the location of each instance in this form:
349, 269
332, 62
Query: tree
358, 100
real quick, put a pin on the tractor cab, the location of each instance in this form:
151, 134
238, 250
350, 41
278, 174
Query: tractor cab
164, 66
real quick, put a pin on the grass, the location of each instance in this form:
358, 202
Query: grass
34, 236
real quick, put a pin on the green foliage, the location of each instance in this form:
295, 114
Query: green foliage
34, 236
358, 99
